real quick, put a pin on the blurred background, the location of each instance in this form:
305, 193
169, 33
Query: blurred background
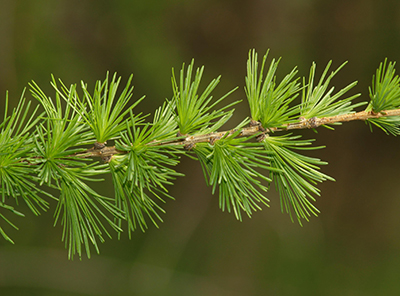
352, 248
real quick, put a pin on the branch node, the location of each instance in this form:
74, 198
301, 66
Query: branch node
99, 146
213, 140
190, 146
312, 122
254, 123
106, 158
261, 137
179, 134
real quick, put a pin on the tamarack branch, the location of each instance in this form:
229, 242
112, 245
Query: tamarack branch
105, 152
239, 164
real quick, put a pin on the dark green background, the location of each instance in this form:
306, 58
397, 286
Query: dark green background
353, 248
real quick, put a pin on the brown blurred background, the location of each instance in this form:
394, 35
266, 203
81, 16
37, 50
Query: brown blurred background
352, 248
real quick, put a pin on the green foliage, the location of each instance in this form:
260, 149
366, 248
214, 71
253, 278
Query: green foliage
65, 148
194, 115
273, 104
319, 101
385, 90
17, 175
144, 168
230, 163
103, 112
295, 175
59, 138
385, 95
269, 102
390, 125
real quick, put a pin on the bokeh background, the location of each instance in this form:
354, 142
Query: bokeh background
352, 248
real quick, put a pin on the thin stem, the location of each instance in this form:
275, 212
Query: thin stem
255, 128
